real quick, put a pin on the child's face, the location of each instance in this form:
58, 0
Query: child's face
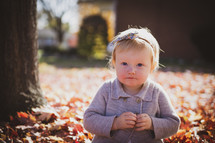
133, 67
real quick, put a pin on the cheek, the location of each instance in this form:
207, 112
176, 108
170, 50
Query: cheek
143, 73
120, 72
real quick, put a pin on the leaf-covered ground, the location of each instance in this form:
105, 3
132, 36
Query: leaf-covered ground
69, 92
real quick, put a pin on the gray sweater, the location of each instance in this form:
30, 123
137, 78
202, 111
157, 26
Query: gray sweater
111, 101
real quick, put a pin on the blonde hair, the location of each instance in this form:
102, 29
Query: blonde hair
137, 38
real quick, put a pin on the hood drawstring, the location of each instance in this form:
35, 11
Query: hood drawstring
133, 130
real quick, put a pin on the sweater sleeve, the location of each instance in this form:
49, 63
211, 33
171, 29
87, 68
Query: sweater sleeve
95, 120
168, 121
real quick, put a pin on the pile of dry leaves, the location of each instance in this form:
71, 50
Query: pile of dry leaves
69, 92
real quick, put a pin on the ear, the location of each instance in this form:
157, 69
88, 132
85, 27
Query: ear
153, 67
114, 64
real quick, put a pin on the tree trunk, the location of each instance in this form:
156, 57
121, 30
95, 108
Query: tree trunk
59, 30
19, 81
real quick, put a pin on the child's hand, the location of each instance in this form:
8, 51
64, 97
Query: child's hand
144, 122
125, 120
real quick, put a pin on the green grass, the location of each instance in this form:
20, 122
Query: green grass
72, 62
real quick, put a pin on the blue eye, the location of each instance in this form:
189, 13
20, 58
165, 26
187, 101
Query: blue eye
124, 63
139, 65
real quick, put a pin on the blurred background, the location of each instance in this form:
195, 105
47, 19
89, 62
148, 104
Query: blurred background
82, 29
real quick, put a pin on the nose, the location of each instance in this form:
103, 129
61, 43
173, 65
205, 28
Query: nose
131, 71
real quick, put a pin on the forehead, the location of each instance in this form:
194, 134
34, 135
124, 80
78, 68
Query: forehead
131, 45
143, 54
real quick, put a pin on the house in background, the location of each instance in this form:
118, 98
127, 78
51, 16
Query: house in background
184, 29
47, 38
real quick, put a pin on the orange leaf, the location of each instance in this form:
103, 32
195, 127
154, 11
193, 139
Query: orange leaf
22, 114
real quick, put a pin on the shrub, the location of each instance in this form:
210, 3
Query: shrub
93, 37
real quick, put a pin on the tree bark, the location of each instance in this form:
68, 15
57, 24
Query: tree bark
59, 29
19, 81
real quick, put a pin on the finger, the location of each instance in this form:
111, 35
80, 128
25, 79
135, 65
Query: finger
139, 120
130, 118
142, 124
143, 118
130, 126
130, 114
131, 123
142, 115
139, 129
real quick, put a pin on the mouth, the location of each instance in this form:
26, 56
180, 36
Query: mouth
130, 78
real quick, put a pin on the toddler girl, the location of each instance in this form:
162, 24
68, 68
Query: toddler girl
132, 108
